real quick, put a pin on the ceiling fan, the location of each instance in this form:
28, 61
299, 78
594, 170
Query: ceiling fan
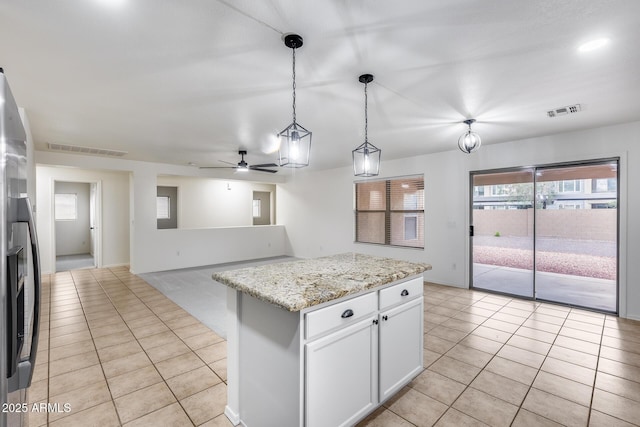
243, 166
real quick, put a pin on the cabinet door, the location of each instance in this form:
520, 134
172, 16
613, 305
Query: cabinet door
400, 346
340, 373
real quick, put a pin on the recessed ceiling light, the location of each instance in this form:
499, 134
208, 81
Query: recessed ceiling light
593, 45
112, 3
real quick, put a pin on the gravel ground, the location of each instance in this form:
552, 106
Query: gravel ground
575, 264
550, 244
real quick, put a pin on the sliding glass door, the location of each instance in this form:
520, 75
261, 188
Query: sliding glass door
548, 232
502, 242
576, 237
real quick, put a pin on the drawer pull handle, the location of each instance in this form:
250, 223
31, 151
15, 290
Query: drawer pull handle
347, 313
404, 293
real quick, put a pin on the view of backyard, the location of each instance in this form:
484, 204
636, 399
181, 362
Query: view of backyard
586, 258
548, 233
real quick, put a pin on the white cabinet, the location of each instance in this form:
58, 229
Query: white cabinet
328, 365
400, 346
355, 368
340, 375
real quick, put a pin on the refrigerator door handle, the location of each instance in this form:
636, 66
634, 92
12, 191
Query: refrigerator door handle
25, 368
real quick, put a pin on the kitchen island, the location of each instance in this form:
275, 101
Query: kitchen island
321, 342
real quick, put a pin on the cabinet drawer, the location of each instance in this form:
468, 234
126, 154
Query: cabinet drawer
340, 314
401, 292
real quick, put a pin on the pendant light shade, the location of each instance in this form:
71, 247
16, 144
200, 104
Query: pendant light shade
295, 140
366, 157
469, 141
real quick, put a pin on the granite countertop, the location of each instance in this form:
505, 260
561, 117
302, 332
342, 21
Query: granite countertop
295, 285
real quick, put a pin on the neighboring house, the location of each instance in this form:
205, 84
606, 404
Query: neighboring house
567, 194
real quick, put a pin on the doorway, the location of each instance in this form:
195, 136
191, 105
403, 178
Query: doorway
261, 208
548, 233
76, 230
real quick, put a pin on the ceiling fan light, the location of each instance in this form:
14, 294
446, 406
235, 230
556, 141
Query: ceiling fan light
469, 141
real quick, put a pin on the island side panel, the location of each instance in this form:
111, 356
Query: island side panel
232, 410
269, 364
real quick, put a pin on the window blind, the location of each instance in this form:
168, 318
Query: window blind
390, 212
66, 207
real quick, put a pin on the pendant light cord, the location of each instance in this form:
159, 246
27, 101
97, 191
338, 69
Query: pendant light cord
294, 85
366, 114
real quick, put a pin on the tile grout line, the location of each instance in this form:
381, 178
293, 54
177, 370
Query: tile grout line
170, 329
467, 386
503, 344
113, 399
539, 369
595, 377
74, 280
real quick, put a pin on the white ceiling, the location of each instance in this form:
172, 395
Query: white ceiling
194, 81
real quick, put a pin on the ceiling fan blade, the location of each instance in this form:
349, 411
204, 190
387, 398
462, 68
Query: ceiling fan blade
229, 163
218, 167
262, 170
264, 165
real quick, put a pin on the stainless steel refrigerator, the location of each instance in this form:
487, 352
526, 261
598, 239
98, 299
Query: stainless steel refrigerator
20, 268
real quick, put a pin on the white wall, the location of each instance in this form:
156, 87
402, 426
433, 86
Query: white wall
115, 212
157, 250
317, 208
73, 236
208, 202
150, 249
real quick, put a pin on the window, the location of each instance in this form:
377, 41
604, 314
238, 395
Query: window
568, 206
571, 186
604, 185
499, 190
256, 208
66, 207
410, 227
163, 204
390, 212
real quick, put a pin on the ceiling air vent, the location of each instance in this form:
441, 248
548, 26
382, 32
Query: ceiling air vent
86, 150
562, 111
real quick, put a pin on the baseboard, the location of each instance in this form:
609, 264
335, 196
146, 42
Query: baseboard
231, 415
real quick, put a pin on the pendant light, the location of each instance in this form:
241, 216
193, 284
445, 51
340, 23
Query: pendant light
366, 157
295, 140
469, 141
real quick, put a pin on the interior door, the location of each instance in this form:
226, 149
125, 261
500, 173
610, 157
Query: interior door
577, 235
92, 220
502, 244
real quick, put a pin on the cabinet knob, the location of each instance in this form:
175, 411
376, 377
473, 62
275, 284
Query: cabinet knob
375, 321
385, 317
347, 313
404, 293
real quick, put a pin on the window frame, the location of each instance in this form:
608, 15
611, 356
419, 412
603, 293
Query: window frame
56, 210
168, 207
257, 205
388, 211
414, 226
563, 184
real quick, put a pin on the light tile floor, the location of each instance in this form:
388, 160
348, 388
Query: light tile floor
121, 353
